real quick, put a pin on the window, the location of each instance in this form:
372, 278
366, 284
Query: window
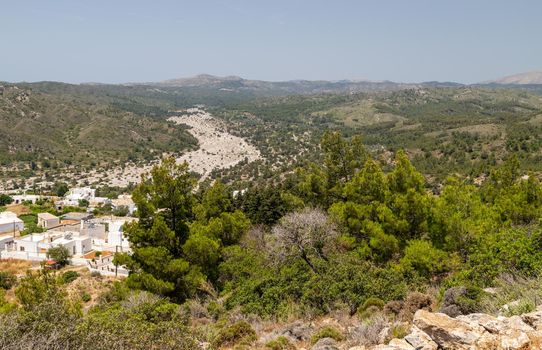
21, 249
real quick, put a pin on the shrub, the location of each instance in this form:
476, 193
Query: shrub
416, 301
399, 331
280, 343
86, 297
239, 332
69, 276
372, 301
460, 300
7, 280
393, 307
327, 332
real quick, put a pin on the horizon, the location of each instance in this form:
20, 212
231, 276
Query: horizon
134, 42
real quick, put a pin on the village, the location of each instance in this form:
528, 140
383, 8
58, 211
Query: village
90, 240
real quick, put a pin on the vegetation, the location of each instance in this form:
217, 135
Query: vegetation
431, 196
61, 255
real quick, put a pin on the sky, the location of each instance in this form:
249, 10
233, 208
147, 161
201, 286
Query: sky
118, 41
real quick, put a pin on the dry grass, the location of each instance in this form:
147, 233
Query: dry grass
18, 209
14, 266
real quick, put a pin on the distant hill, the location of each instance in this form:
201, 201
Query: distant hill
236, 84
527, 78
49, 130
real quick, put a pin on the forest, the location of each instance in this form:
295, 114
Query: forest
348, 233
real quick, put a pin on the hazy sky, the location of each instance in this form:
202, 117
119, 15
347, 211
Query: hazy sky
402, 40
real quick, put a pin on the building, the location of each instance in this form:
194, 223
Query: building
5, 240
48, 221
124, 200
28, 198
9, 222
77, 194
36, 245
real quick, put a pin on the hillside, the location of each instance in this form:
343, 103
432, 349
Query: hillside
461, 130
534, 77
41, 131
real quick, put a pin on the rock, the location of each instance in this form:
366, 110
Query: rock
490, 323
383, 336
516, 322
325, 344
359, 347
447, 332
401, 344
298, 331
533, 319
420, 340
451, 304
514, 339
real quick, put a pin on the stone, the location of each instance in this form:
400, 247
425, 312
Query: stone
514, 339
490, 323
298, 331
401, 344
447, 332
516, 322
420, 340
533, 319
325, 344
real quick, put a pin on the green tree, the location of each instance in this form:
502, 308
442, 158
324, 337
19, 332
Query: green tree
60, 254
5, 199
157, 263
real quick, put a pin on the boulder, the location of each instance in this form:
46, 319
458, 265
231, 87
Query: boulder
298, 331
447, 332
514, 339
420, 340
490, 323
533, 319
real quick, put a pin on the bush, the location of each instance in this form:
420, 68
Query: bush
239, 332
460, 300
371, 302
69, 276
399, 331
393, 307
416, 301
327, 332
280, 343
7, 280
85, 297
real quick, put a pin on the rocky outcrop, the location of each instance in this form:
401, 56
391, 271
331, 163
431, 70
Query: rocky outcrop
432, 331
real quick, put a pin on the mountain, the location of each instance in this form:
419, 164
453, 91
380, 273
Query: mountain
236, 84
533, 77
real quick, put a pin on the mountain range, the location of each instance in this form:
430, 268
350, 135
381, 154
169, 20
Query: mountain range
527, 78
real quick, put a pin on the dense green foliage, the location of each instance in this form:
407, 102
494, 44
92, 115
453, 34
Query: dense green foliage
337, 234
46, 318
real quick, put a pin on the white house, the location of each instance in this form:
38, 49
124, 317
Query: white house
124, 200
115, 236
5, 240
48, 221
35, 246
9, 222
20, 198
77, 194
